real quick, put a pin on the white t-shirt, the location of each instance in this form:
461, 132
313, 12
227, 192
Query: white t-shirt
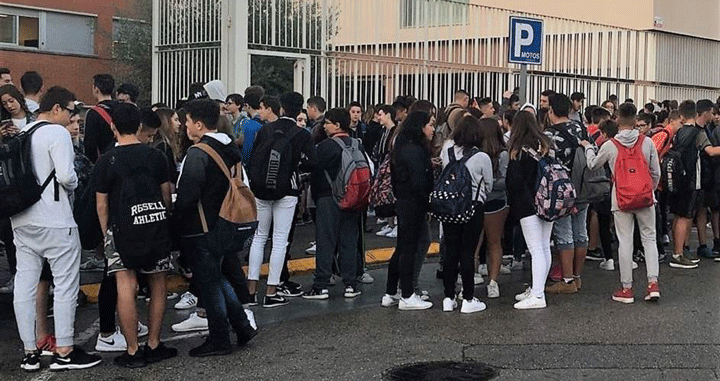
20, 123
52, 148
32, 105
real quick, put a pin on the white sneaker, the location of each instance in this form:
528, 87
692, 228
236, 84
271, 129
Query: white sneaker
470, 306
413, 303
449, 304
366, 278
531, 302
390, 300
517, 265
8, 288
634, 265
312, 249
192, 323
493, 290
478, 279
608, 264
482, 270
665, 239
524, 295
384, 231
424, 294
381, 221
142, 329
393, 233
113, 343
505, 269
251, 318
187, 301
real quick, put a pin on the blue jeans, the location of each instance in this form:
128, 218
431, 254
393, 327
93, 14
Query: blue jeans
571, 231
221, 302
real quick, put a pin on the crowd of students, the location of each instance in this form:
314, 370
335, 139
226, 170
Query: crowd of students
140, 185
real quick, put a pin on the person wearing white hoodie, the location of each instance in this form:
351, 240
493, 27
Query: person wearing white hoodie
625, 219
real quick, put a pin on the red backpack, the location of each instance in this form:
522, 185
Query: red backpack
633, 184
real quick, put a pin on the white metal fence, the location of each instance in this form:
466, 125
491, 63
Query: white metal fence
374, 50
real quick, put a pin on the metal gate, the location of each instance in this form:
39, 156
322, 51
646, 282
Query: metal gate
374, 50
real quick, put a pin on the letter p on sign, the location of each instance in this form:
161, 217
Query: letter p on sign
526, 41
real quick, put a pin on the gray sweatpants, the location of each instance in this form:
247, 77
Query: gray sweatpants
625, 229
61, 248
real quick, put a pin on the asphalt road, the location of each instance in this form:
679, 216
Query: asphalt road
585, 336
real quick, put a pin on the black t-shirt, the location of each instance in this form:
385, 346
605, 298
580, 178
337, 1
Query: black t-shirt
108, 180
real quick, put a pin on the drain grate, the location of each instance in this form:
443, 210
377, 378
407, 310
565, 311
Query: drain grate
440, 371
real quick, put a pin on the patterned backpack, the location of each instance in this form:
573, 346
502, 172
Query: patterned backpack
382, 197
554, 191
452, 199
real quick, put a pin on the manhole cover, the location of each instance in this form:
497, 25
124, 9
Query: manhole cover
441, 370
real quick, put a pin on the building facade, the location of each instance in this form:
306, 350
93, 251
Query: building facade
66, 41
374, 50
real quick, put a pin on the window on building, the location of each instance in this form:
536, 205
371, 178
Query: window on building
433, 13
47, 30
19, 30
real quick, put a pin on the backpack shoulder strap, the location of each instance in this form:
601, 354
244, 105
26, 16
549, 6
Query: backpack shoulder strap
51, 176
216, 157
104, 114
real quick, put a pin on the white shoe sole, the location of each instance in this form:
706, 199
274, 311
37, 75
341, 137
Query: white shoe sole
623, 300
190, 329
473, 310
413, 308
54, 366
30, 368
681, 266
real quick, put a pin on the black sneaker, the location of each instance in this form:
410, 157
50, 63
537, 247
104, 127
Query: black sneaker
131, 361
161, 352
351, 291
211, 349
595, 255
31, 362
77, 359
317, 294
290, 289
639, 256
274, 301
245, 335
253, 300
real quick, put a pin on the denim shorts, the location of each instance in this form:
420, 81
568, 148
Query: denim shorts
495, 206
571, 231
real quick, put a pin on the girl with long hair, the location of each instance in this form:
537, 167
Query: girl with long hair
461, 239
496, 208
526, 141
167, 139
14, 108
412, 180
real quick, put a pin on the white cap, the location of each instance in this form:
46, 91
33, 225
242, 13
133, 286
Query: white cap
216, 90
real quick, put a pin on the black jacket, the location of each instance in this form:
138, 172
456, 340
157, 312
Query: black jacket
99, 138
202, 180
329, 156
412, 173
520, 182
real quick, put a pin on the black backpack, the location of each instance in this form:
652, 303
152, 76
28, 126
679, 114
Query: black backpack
86, 217
140, 228
678, 166
272, 171
19, 189
452, 199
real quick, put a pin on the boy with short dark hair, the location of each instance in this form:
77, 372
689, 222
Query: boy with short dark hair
133, 196
337, 229
689, 140
628, 138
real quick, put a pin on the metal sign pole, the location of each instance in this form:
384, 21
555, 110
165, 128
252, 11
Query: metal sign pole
523, 84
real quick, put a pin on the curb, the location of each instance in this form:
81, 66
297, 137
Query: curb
176, 283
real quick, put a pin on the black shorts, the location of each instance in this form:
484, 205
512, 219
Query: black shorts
685, 204
711, 199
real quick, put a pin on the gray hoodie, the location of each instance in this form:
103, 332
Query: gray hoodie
608, 154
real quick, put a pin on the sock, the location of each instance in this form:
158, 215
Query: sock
568, 280
676, 256
627, 285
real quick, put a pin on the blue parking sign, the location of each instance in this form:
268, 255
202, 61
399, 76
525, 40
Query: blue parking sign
526, 41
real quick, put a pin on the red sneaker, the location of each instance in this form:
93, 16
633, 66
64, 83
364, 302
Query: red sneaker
624, 295
556, 273
652, 294
47, 345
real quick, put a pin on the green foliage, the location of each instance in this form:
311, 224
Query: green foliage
132, 50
